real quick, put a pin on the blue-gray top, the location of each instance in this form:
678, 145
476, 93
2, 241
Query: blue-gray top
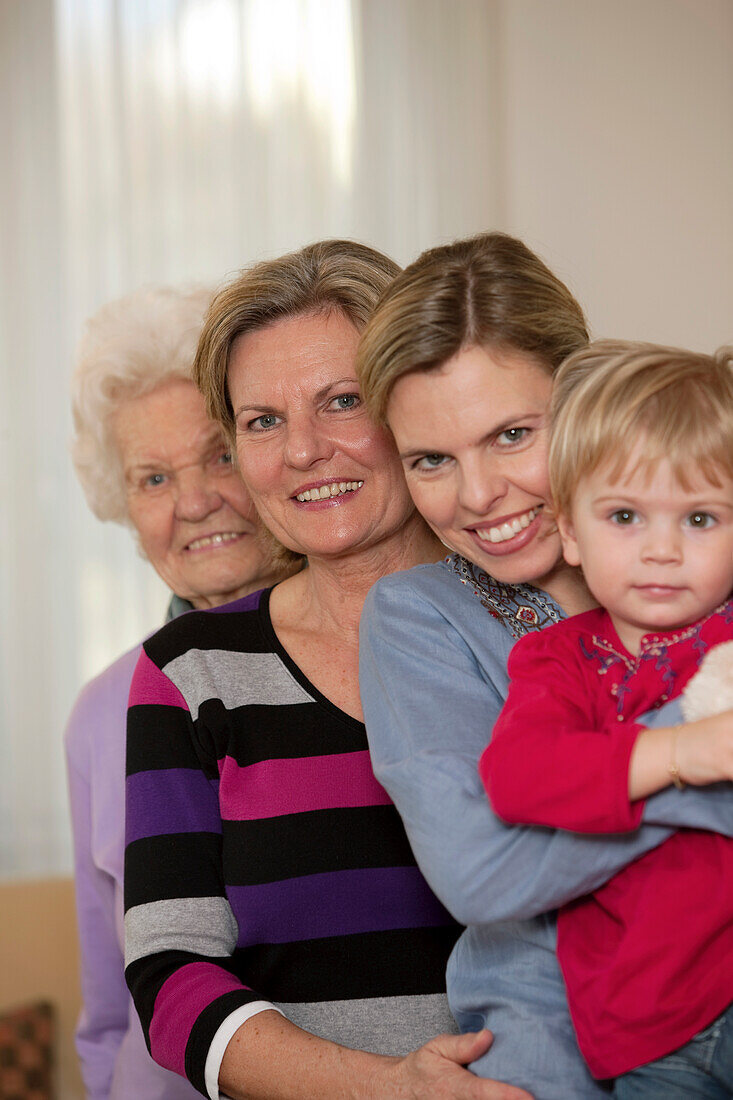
434, 648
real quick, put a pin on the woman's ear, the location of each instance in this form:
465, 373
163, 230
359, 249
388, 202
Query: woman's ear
569, 541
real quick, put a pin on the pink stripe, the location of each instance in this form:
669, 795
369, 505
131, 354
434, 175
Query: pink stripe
150, 685
181, 1000
275, 787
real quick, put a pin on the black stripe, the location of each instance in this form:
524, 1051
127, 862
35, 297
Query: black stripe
204, 1030
175, 865
161, 737
250, 734
373, 964
236, 631
275, 848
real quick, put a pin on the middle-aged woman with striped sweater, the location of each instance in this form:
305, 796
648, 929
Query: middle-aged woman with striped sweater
280, 939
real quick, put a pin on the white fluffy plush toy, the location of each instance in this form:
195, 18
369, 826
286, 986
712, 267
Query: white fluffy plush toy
710, 690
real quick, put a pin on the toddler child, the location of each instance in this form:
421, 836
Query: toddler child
641, 468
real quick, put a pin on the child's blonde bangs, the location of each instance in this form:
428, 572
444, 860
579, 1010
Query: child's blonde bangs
611, 396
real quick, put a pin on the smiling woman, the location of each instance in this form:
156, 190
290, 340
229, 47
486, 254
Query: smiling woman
459, 359
280, 940
187, 504
302, 431
486, 488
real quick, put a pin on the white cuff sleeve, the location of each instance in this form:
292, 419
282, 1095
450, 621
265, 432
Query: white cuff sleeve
221, 1041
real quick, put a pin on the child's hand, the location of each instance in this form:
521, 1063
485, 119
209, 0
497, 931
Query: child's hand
704, 750
698, 753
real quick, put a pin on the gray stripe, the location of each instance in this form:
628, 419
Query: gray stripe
203, 926
238, 679
381, 1025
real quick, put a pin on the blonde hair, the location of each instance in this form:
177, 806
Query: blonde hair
487, 291
129, 347
322, 277
328, 275
614, 393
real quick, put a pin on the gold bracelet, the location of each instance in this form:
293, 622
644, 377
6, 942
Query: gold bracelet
673, 767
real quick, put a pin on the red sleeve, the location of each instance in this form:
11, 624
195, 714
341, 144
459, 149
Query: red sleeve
546, 764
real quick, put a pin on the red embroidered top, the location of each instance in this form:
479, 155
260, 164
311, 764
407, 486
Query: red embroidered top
648, 958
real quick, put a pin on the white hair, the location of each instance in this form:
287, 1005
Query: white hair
128, 348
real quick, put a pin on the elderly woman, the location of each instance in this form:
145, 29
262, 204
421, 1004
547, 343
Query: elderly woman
458, 361
280, 941
147, 456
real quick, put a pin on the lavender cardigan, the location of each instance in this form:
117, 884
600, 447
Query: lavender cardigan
114, 1060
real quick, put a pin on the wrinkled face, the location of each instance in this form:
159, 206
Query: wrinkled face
192, 513
655, 555
473, 439
325, 480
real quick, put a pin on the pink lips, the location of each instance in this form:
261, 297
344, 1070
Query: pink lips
658, 591
501, 549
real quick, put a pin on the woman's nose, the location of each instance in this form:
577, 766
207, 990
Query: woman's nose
306, 443
197, 495
479, 488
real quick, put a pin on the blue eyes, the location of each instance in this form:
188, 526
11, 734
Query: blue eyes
343, 402
160, 478
154, 480
513, 435
263, 423
430, 462
505, 440
346, 401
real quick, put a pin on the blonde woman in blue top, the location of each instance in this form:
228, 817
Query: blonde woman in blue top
458, 361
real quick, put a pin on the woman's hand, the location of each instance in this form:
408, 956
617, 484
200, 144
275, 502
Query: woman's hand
435, 1072
270, 1058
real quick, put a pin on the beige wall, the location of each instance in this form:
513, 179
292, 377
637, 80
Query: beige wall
39, 960
617, 157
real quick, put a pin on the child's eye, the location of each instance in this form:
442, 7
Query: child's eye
429, 462
346, 401
623, 517
513, 435
700, 520
225, 458
263, 423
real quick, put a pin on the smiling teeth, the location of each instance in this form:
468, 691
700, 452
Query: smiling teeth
507, 530
215, 540
335, 489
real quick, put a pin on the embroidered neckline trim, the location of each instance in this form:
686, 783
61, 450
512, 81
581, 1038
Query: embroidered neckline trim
521, 608
653, 643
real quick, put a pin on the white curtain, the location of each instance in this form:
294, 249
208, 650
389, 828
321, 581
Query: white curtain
149, 141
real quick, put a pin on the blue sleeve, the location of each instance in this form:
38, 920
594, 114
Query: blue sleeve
696, 807
430, 701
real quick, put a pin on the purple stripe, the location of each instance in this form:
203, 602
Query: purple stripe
337, 903
175, 800
244, 603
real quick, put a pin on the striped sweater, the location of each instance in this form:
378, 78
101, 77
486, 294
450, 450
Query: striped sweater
263, 859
